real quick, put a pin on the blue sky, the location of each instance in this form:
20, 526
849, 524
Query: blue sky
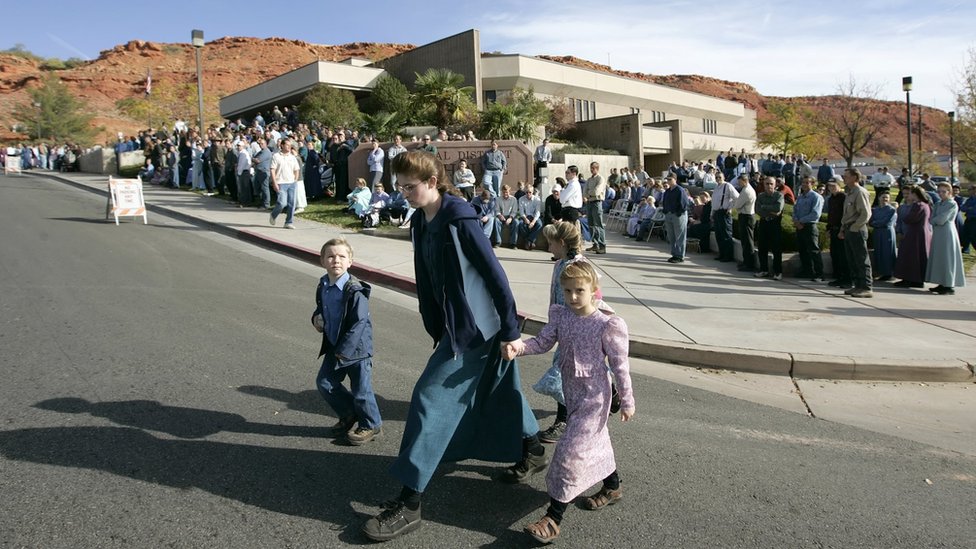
781, 47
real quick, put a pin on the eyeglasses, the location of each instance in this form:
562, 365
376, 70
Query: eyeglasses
406, 189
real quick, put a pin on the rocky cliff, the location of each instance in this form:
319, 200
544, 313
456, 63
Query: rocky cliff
235, 63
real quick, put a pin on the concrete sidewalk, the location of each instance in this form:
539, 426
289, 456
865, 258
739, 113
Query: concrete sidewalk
701, 312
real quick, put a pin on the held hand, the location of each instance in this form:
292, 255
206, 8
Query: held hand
512, 349
625, 416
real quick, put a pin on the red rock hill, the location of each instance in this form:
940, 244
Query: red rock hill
234, 63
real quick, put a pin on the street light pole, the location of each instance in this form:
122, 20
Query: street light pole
197, 41
906, 86
37, 106
952, 149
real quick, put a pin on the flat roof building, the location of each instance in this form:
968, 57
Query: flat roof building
651, 123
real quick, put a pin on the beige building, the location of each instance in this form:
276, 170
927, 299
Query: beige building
650, 123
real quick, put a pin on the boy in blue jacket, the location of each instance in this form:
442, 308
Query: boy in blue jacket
342, 317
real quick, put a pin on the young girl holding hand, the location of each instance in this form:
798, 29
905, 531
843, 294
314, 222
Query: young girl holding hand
587, 338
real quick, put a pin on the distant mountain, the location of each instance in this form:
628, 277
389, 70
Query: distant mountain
234, 63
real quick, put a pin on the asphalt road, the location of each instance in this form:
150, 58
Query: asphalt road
157, 391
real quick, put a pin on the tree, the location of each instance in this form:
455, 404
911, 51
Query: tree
442, 97
856, 120
169, 101
562, 117
785, 127
330, 107
516, 117
383, 125
391, 96
964, 129
54, 113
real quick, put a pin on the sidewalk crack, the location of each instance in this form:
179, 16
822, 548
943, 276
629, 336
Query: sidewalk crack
799, 392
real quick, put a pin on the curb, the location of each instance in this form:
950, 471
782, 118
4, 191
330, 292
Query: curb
808, 366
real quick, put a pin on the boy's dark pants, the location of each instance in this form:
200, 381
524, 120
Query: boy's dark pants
358, 401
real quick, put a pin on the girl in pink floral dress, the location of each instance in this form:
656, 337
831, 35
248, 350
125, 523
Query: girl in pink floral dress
588, 340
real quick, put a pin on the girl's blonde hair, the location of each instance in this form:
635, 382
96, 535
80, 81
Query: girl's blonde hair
581, 270
567, 233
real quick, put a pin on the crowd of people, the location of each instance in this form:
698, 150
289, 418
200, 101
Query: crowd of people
42, 156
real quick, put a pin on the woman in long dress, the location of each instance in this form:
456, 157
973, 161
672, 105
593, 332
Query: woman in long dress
883, 219
913, 251
945, 258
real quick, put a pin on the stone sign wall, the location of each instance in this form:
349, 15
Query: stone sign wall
450, 153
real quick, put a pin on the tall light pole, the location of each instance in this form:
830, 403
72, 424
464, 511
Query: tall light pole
37, 105
906, 86
952, 149
196, 37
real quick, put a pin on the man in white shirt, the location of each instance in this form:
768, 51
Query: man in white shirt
284, 177
571, 197
243, 172
745, 205
723, 199
542, 157
529, 222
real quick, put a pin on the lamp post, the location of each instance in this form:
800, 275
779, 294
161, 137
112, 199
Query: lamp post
952, 149
37, 105
196, 37
906, 86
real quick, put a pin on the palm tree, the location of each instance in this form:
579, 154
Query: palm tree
383, 125
442, 93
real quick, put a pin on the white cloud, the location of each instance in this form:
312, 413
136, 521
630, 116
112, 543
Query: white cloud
780, 48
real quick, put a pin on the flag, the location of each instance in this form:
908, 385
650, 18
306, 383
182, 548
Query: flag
148, 83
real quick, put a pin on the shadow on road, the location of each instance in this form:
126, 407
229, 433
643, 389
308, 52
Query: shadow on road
311, 402
176, 421
315, 484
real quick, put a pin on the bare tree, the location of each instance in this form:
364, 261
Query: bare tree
856, 119
965, 126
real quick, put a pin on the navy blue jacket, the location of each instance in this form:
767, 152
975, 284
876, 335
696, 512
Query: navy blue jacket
457, 317
355, 341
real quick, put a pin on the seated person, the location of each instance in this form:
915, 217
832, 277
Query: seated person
520, 190
147, 171
552, 211
377, 202
359, 198
506, 213
397, 209
529, 217
609, 198
646, 210
379, 198
464, 180
484, 207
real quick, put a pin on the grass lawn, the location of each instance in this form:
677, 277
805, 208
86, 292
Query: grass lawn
328, 211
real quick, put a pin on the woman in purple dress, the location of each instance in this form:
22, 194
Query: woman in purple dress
913, 252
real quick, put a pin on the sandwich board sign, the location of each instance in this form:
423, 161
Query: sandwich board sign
125, 199
12, 163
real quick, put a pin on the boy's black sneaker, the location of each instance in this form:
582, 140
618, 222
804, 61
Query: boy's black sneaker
552, 434
342, 427
395, 520
523, 470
